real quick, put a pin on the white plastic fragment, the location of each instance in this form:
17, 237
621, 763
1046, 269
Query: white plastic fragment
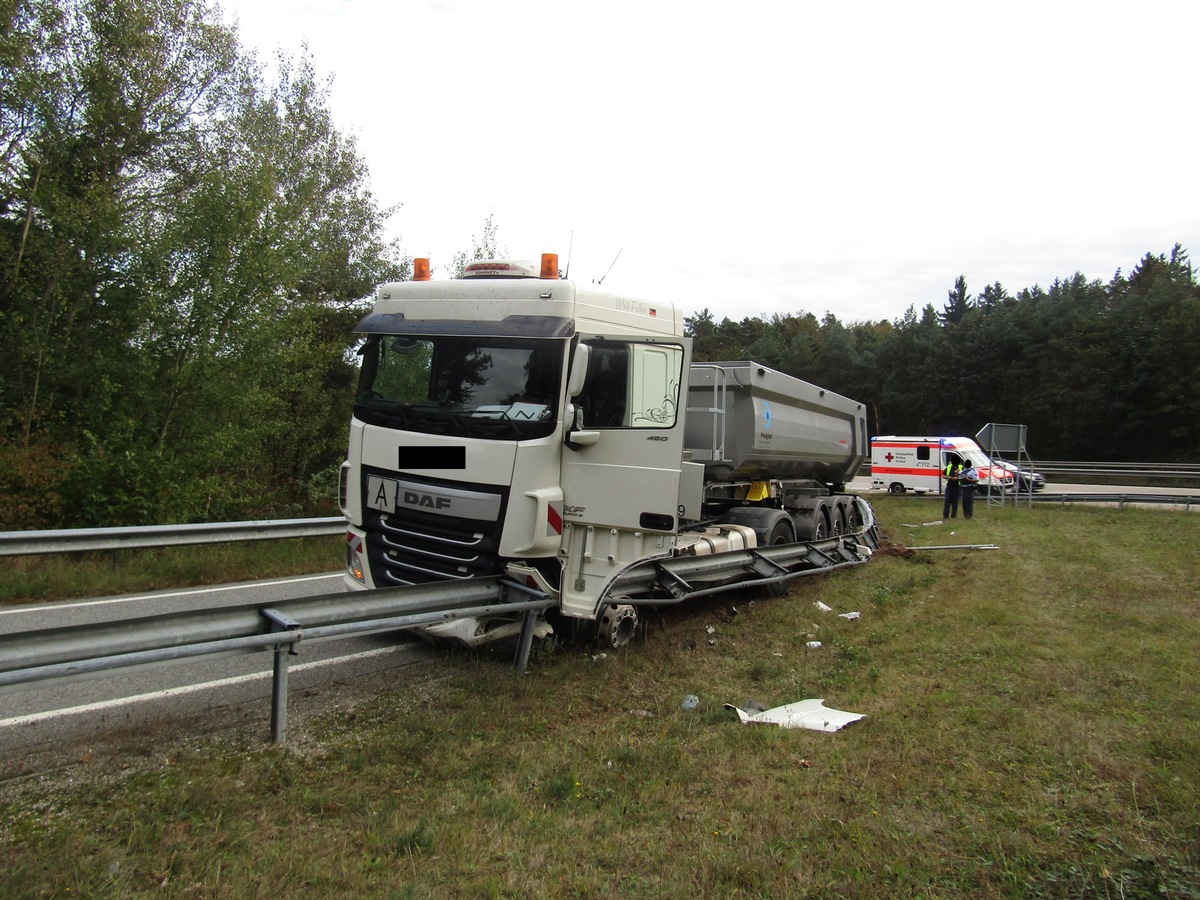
850, 615
822, 607
813, 645
811, 714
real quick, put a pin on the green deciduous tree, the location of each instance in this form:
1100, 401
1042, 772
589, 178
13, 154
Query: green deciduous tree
185, 248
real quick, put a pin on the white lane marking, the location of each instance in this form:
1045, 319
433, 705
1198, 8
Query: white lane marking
34, 718
38, 607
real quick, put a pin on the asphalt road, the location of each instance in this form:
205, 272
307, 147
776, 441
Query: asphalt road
55, 713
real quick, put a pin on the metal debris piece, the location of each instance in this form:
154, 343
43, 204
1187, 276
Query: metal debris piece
811, 714
959, 547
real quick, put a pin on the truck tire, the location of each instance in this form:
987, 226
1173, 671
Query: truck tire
783, 532
837, 520
812, 525
854, 518
764, 520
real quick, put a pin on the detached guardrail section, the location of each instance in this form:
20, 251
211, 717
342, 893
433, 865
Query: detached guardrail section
82, 650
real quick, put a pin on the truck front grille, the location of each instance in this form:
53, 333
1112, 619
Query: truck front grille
410, 546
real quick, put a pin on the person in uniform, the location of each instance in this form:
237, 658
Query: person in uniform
968, 480
951, 474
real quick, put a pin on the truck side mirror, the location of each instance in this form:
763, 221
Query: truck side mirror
576, 438
579, 367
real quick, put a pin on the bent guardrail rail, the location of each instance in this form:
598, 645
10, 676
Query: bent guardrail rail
82, 650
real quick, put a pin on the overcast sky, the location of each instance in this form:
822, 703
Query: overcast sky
770, 157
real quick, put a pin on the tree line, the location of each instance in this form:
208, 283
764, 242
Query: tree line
1097, 371
186, 244
184, 247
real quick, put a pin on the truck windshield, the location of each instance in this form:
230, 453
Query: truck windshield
499, 388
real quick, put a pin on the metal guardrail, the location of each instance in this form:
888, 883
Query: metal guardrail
72, 540
76, 651
1147, 470
1187, 501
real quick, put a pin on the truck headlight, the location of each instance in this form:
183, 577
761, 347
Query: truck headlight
355, 564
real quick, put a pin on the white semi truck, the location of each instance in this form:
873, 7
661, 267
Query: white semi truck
513, 423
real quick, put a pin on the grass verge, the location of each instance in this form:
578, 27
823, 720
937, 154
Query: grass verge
1031, 731
64, 576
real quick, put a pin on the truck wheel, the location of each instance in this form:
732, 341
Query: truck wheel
820, 527
811, 525
837, 521
617, 626
854, 519
782, 533
895, 488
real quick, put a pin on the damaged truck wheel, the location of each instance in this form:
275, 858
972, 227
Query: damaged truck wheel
617, 626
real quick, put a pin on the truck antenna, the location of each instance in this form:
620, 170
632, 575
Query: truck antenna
570, 245
610, 266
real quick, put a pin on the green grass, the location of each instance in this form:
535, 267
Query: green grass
61, 576
1032, 731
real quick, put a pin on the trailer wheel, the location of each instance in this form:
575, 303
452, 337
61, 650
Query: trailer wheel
811, 525
854, 519
820, 526
895, 488
837, 521
782, 533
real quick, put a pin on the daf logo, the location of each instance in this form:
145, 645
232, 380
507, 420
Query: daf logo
427, 501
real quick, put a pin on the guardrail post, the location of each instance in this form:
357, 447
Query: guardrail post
279, 679
525, 641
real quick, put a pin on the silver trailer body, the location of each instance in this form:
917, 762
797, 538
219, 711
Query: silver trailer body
746, 421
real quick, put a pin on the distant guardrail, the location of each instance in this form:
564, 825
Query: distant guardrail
80, 540
1186, 501
1121, 469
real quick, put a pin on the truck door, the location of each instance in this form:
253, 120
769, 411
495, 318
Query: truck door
620, 481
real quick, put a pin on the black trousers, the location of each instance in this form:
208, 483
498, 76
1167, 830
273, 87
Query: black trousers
968, 500
950, 507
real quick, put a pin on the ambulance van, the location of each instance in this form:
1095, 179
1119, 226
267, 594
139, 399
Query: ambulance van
914, 463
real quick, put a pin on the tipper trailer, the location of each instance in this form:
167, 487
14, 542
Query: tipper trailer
513, 423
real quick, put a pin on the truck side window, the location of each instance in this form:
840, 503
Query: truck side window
631, 385
604, 391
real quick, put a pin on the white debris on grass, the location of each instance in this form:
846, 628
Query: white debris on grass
811, 714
